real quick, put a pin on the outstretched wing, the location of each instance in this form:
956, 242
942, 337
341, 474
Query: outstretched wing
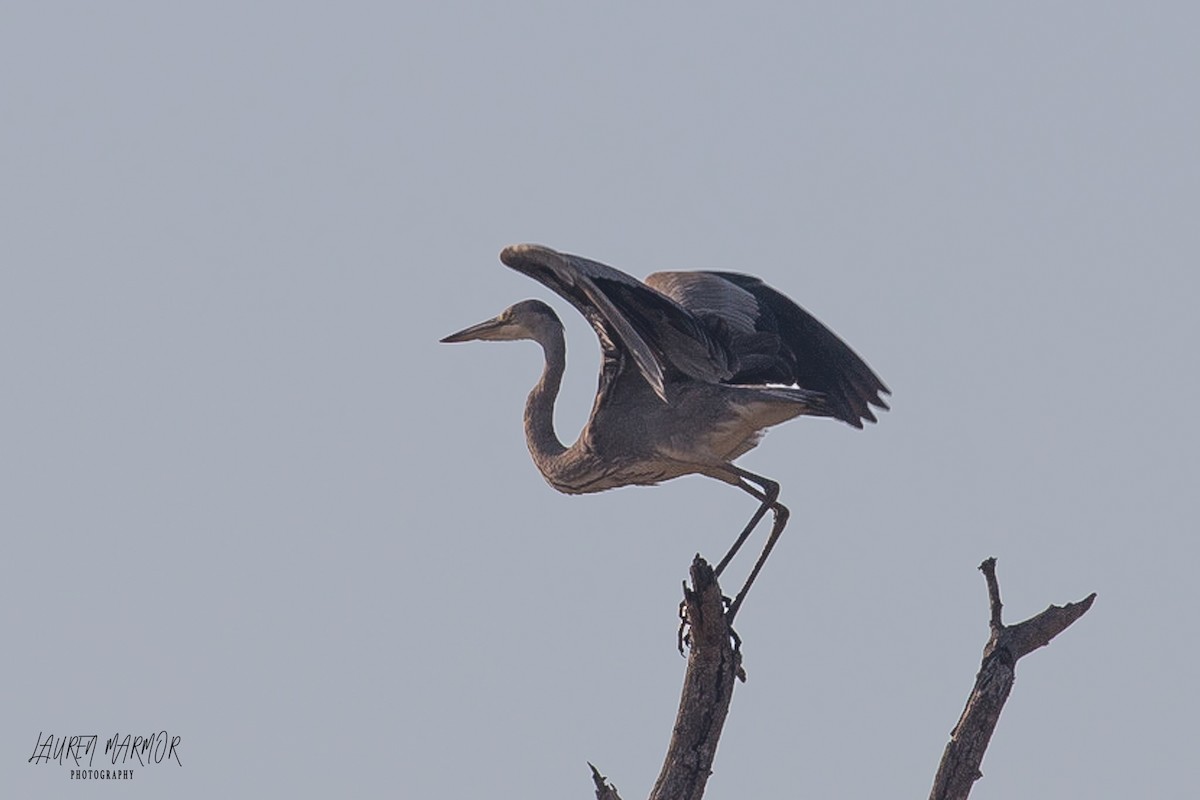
773, 340
632, 320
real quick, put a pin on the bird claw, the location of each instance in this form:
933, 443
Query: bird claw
682, 637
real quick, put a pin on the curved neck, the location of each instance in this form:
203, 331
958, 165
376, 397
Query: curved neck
544, 445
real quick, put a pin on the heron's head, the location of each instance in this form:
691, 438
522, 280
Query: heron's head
528, 319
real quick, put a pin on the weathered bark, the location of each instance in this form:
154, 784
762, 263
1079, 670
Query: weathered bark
959, 768
714, 665
604, 789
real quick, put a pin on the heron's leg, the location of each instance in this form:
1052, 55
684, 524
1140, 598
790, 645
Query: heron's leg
781, 518
734, 477
766, 498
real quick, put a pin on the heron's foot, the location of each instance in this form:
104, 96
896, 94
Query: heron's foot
731, 608
683, 639
737, 643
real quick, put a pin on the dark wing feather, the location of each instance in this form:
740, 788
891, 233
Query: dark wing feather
774, 340
661, 337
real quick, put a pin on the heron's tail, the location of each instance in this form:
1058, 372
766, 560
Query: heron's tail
797, 402
794, 394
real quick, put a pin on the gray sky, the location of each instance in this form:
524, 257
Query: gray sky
249, 499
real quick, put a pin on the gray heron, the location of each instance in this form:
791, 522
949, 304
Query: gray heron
695, 367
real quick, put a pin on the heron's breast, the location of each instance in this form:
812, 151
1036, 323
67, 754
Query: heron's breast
582, 470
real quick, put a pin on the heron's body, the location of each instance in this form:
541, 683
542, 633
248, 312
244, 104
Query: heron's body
634, 438
691, 377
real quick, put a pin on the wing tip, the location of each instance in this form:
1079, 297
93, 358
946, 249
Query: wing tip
856, 413
514, 254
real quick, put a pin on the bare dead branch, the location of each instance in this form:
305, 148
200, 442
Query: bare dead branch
604, 789
713, 668
988, 567
714, 665
959, 768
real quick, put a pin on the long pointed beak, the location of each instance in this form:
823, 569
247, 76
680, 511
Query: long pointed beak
484, 330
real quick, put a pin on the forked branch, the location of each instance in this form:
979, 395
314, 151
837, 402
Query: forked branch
714, 665
959, 768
